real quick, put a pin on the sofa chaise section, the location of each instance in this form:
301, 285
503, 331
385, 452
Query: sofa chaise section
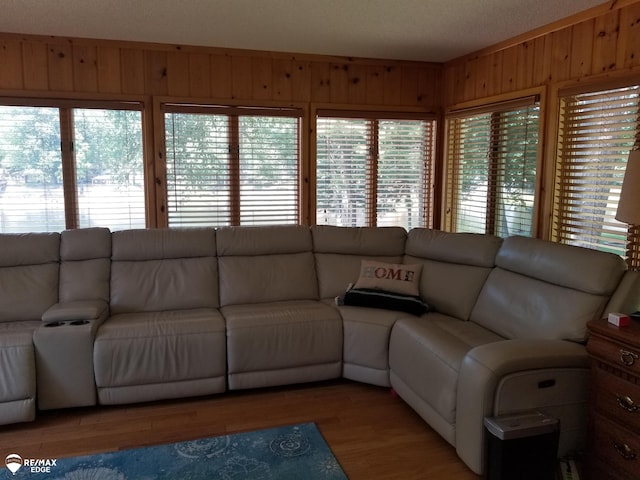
165, 337
278, 331
338, 256
29, 269
426, 353
538, 298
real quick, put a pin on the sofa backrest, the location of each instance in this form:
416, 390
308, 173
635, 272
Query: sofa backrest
163, 269
265, 264
338, 252
543, 289
455, 267
85, 264
29, 269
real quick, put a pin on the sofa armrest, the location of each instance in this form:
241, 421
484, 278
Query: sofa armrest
75, 311
480, 373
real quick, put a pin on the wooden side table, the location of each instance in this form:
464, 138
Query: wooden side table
614, 403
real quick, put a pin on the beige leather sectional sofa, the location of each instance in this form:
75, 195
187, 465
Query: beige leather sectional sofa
97, 317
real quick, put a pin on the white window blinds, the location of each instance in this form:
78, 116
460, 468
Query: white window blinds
232, 167
109, 168
597, 131
65, 167
374, 171
492, 159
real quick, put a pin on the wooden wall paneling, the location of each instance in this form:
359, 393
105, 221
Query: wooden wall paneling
582, 49
156, 72
429, 88
178, 74
320, 82
629, 38
11, 70
374, 84
483, 84
469, 79
35, 65
542, 60
339, 83
605, 42
282, 77
526, 53
109, 70
221, 77
85, 68
509, 79
496, 73
262, 78
392, 78
301, 80
409, 90
60, 62
561, 54
199, 75
241, 77
132, 71
357, 84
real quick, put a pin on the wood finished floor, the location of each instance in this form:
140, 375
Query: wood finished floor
373, 434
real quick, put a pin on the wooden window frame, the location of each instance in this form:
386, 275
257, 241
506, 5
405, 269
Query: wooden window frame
233, 112
65, 106
494, 107
374, 115
570, 89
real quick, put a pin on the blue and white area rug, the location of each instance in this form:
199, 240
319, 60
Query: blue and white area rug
296, 452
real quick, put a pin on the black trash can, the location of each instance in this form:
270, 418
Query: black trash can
521, 446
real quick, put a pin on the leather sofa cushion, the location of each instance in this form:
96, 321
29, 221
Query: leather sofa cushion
85, 244
266, 264
267, 278
158, 285
85, 264
547, 290
361, 241
281, 335
17, 363
160, 347
339, 251
26, 292
29, 275
517, 306
85, 279
583, 269
29, 249
163, 269
459, 248
455, 267
152, 244
427, 353
269, 240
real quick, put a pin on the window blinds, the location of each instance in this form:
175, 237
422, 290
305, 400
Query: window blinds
235, 167
65, 167
597, 131
31, 192
109, 168
491, 170
374, 171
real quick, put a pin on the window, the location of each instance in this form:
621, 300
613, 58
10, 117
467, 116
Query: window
492, 156
374, 171
66, 167
597, 131
232, 166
